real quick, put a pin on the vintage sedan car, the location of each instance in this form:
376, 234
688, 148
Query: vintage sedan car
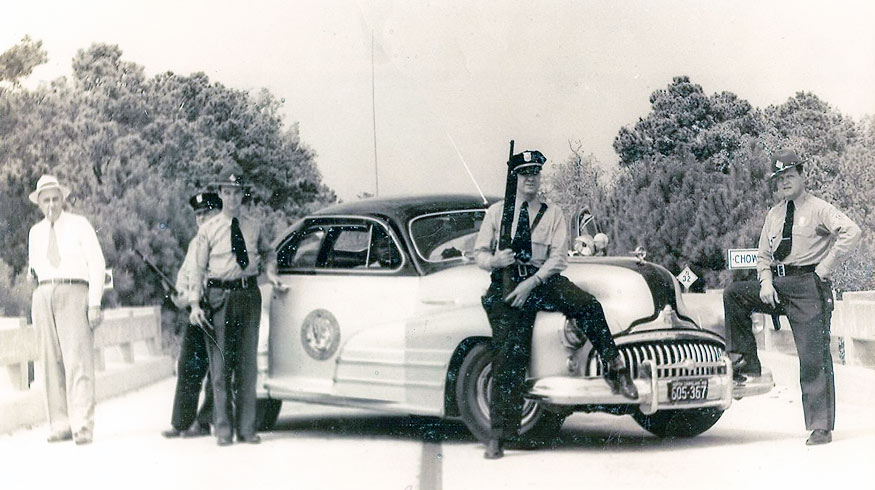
383, 312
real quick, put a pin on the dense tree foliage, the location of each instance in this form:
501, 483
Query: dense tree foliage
133, 149
694, 178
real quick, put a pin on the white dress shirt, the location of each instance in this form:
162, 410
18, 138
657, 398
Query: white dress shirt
81, 256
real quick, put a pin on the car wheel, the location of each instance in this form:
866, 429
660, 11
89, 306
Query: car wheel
538, 425
678, 423
267, 411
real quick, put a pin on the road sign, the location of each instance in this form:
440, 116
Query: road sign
741, 258
687, 277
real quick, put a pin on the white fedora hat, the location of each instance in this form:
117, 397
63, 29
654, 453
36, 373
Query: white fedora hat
45, 183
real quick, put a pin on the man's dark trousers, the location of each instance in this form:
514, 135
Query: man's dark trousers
191, 369
512, 341
807, 302
235, 314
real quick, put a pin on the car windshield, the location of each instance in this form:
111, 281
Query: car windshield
447, 236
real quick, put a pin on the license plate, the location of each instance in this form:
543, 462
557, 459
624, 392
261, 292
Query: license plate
688, 390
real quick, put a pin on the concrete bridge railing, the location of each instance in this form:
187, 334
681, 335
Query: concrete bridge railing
127, 352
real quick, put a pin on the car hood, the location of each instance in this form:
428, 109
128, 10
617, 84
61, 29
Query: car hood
633, 294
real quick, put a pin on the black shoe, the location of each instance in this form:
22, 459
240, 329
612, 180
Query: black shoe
64, 435
744, 369
493, 449
171, 433
819, 436
82, 438
253, 439
197, 430
619, 377
224, 441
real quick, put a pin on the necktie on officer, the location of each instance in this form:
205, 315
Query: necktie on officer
238, 244
53, 253
522, 241
783, 249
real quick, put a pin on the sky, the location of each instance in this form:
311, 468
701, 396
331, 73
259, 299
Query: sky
397, 97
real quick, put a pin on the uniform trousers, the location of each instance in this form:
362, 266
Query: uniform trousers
511, 343
60, 314
807, 302
235, 313
192, 367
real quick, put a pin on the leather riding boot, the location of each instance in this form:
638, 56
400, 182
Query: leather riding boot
619, 377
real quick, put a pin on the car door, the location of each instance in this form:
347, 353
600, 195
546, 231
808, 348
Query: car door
339, 331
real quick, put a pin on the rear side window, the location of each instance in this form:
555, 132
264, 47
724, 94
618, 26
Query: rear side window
442, 237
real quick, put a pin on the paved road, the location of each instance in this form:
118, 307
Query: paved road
758, 443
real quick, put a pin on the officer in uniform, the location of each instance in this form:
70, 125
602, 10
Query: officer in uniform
193, 366
801, 240
539, 253
230, 249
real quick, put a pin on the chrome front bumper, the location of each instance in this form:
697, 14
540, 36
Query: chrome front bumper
652, 391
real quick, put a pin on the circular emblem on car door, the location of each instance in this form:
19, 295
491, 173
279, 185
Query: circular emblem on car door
320, 334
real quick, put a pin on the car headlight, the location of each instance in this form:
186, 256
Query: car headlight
572, 335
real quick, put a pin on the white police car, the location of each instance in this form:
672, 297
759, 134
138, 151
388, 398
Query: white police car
383, 312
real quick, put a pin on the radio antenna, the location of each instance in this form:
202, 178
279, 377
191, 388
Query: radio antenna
462, 159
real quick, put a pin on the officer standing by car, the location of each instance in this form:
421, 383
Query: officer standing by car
230, 250
538, 255
186, 420
801, 240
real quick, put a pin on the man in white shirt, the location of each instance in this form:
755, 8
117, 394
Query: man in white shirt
68, 262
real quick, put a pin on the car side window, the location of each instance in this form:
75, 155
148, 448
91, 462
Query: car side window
333, 244
347, 247
302, 253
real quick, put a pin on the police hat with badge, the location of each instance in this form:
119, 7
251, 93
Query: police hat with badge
205, 201
232, 176
529, 162
784, 161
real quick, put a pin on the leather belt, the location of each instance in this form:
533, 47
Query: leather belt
782, 270
64, 281
523, 271
244, 283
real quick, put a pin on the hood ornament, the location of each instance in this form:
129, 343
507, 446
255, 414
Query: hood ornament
639, 254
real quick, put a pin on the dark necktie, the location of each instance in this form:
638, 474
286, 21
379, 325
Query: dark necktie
238, 244
783, 249
522, 241
53, 254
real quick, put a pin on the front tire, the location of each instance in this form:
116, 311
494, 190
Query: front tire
538, 426
678, 423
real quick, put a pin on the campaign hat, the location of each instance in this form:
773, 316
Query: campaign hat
231, 176
204, 201
785, 160
527, 162
47, 182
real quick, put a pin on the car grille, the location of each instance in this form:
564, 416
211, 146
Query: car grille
672, 359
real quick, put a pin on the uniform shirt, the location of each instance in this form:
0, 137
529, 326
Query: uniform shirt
184, 284
821, 235
213, 257
549, 239
81, 256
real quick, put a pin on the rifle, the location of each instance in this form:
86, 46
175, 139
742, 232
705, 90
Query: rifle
504, 238
209, 329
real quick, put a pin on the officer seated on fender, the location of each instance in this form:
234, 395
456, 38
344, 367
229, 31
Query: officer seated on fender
538, 254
